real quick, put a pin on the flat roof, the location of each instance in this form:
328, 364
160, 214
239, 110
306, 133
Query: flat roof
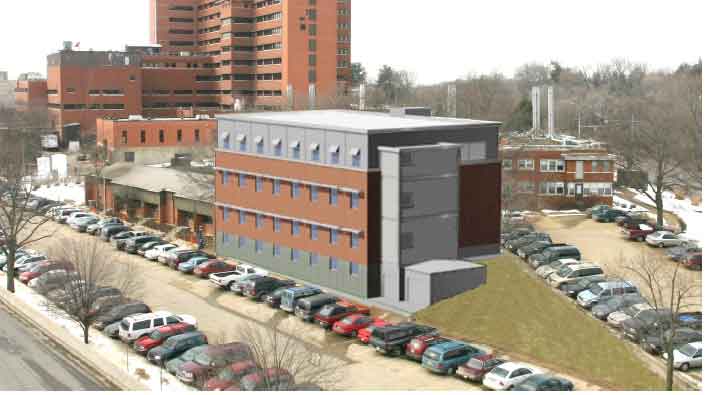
443, 265
353, 121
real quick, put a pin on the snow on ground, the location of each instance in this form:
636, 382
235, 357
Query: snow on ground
690, 214
113, 351
562, 213
62, 193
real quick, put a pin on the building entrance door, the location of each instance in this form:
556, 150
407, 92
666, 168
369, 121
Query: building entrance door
579, 191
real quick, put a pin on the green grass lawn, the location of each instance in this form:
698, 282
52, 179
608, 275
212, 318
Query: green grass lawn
518, 314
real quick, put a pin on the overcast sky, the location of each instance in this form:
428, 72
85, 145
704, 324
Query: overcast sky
437, 40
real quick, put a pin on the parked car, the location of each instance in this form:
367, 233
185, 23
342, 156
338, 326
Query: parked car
230, 376
636, 327
596, 210
507, 375
551, 254
76, 215
515, 234
677, 253
307, 307
638, 233
351, 324
166, 256
156, 251
136, 326
653, 342
173, 363
418, 345
632, 219
528, 239
117, 313
603, 291
25, 263
94, 229
544, 382
692, 261
208, 363
211, 266
536, 248
173, 260
476, 368
291, 296
258, 288
616, 319
225, 279
571, 290
547, 270
159, 335
176, 345
365, 334
108, 231
43, 268
237, 287
118, 241
63, 215
271, 379
329, 314
447, 356
133, 243
690, 319
604, 308
18, 254
189, 266
82, 223
51, 280
608, 215
142, 250
687, 356
663, 239
573, 273
394, 338
274, 298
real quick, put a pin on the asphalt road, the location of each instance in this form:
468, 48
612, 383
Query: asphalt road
30, 362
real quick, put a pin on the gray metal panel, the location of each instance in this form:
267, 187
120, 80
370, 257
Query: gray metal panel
432, 196
449, 284
194, 206
418, 289
435, 237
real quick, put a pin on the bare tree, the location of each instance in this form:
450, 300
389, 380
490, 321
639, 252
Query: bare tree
96, 285
670, 290
273, 348
20, 217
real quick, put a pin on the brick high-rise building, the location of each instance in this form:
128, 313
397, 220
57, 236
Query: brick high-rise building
210, 56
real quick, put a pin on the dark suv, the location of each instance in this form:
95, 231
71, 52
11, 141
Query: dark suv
131, 245
109, 231
117, 313
393, 339
258, 288
184, 256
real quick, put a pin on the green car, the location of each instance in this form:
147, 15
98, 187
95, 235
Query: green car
609, 215
597, 210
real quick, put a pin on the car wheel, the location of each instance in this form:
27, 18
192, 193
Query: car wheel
354, 334
661, 245
230, 284
450, 371
641, 238
684, 367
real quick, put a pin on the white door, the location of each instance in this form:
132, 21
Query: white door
579, 170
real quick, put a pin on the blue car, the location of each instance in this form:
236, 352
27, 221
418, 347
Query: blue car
446, 357
190, 265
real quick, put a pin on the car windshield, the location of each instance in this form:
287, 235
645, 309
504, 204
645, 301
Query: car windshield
348, 320
204, 359
584, 283
475, 364
328, 309
171, 342
433, 355
156, 335
498, 371
614, 303
688, 350
565, 271
596, 289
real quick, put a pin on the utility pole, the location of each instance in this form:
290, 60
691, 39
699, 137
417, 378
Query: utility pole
579, 124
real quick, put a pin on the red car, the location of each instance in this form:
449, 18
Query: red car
230, 376
43, 268
692, 261
159, 335
215, 358
476, 367
212, 266
416, 347
638, 233
350, 325
365, 333
331, 313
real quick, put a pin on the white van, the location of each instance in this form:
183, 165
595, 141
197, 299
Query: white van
573, 273
136, 326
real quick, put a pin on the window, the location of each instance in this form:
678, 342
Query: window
525, 187
473, 151
276, 186
335, 155
258, 246
226, 143
258, 184
314, 193
143, 136
225, 140
354, 269
312, 30
334, 236
332, 264
312, 60
312, 45
355, 240
593, 189
259, 220
296, 150
242, 217
277, 146
129, 157
406, 240
277, 224
276, 250
355, 157
295, 228
242, 241
606, 165
313, 259
355, 200
552, 188
141, 325
161, 136
314, 232
294, 255
225, 214
197, 135
243, 142
315, 152
124, 137
507, 164
295, 190
333, 196
525, 164
594, 166
551, 165
312, 76
242, 179
260, 144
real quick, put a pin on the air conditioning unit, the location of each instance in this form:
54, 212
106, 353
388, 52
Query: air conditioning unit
134, 118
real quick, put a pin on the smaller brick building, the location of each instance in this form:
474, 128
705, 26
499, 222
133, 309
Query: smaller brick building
546, 174
148, 141
31, 93
170, 196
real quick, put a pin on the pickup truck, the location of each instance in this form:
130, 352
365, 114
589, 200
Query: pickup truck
331, 313
119, 240
393, 339
226, 279
638, 233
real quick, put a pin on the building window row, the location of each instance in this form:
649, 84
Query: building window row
552, 165
267, 3
600, 166
181, 20
209, 29
143, 136
295, 255
181, 8
275, 16
181, 31
552, 188
181, 43
592, 189
217, 15
95, 106
209, 5
210, 42
237, 19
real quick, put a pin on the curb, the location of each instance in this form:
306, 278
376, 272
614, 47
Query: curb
73, 346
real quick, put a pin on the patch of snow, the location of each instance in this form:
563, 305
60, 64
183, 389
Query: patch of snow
562, 213
690, 214
62, 193
626, 205
160, 165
